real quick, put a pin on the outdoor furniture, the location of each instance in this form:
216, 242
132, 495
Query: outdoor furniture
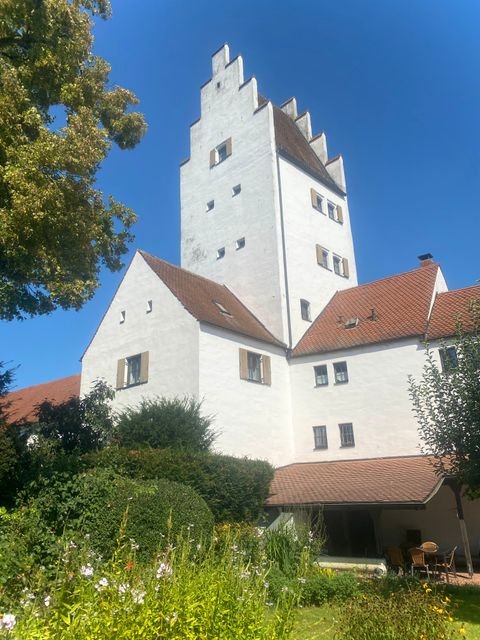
396, 559
448, 564
418, 561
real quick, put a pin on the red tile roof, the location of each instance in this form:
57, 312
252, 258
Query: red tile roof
292, 144
404, 480
387, 309
24, 401
449, 307
198, 295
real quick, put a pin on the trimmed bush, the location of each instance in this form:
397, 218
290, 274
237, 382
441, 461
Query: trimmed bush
235, 489
95, 503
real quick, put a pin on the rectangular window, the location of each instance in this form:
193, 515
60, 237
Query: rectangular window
448, 358
341, 372
220, 253
332, 211
320, 437
337, 261
305, 310
255, 367
240, 243
236, 189
346, 435
321, 375
149, 306
123, 315
132, 370
317, 201
322, 256
221, 152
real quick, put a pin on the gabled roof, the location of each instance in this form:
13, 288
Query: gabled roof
386, 309
293, 145
22, 403
208, 301
448, 308
405, 481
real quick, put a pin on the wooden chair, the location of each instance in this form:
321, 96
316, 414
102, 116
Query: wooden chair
429, 547
448, 565
418, 560
396, 559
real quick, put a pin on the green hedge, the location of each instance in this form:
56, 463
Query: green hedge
235, 489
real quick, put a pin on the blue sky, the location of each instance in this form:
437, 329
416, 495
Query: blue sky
394, 83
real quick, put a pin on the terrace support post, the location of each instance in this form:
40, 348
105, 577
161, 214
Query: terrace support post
453, 484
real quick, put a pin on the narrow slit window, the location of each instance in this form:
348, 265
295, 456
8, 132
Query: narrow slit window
305, 310
220, 253
210, 205
240, 243
236, 190
123, 315
149, 306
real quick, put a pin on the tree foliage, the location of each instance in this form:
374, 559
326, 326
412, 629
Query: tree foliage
8, 453
56, 230
447, 406
165, 423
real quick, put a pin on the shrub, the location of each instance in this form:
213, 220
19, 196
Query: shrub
162, 423
325, 585
235, 489
94, 503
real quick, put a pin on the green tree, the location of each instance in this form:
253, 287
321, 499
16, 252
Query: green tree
8, 453
162, 423
446, 402
56, 230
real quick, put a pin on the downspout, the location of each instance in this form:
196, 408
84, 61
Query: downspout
284, 253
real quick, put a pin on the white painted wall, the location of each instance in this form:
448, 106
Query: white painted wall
252, 419
254, 272
168, 333
437, 522
375, 400
305, 227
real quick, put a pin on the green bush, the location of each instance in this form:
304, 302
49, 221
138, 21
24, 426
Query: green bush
95, 503
164, 423
324, 585
235, 489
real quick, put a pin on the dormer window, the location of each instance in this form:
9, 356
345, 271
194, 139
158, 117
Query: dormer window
223, 310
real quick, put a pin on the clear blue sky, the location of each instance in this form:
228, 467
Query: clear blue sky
394, 83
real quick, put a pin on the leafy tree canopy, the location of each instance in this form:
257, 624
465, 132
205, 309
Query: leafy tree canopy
56, 230
446, 402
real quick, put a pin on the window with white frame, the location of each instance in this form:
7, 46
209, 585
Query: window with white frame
347, 438
340, 266
320, 437
448, 358
255, 367
341, 372
220, 152
132, 370
318, 201
322, 256
305, 310
335, 212
321, 375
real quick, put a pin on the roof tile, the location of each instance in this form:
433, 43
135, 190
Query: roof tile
450, 307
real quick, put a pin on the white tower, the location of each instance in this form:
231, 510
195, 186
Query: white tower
262, 208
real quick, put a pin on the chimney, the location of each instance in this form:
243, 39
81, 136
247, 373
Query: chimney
425, 259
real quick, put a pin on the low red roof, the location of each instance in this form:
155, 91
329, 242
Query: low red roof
24, 401
206, 299
405, 480
449, 307
387, 309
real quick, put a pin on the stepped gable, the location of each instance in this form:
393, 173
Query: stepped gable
23, 403
292, 144
409, 480
387, 309
450, 307
208, 301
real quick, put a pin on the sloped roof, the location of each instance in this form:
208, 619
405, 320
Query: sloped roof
449, 307
407, 480
22, 403
387, 309
198, 295
293, 145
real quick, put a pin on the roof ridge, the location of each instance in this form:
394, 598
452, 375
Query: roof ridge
470, 286
391, 277
177, 266
40, 384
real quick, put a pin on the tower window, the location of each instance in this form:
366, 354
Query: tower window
305, 310
347, 438
220, 253
221, 152
320, 437
240, 243
322, 256
123, 315
210, 205
337, 265
332, 211
149, 306
236, 189
318, 201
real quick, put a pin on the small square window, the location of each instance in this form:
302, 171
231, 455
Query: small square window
240, 243
341, 372
210, 205
219, 84
220, 253
149, 306
133, 369
337, 265
346, 434
236, 189
332, 211
448, 358
123, 315
320, 437
321, 375
305, 310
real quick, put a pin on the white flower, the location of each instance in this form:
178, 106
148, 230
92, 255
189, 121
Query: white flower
245, 574
47, 600
103, 582
138, 596
8, 621
86, 570
302, 580
284, 589
133, 545
164, 570
122, 588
